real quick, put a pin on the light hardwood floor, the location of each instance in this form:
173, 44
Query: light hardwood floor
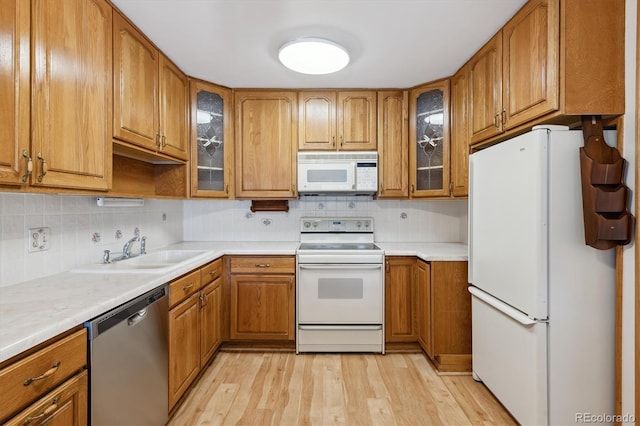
278, 388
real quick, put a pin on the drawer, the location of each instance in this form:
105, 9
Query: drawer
210, 272
66, 405
26, 380
263, 265
184, 287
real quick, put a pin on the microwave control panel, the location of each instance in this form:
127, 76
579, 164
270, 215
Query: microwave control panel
366, 176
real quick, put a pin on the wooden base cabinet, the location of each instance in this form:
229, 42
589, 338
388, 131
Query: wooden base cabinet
195, 325
55, 390
444, 319
262, 298
400, 300
64, 406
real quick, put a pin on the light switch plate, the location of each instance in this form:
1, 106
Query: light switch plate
38, 239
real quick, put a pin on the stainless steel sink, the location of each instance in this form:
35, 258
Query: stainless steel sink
157, 262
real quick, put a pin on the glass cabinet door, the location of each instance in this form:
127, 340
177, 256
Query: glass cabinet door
211, 137
429, 140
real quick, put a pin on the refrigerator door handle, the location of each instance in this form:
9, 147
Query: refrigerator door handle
502, 307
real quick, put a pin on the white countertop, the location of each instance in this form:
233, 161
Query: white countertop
426, 251
33, 311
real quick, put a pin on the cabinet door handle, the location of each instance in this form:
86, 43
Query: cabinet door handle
262, 265
496, 119
333, 141
43, 166
226, 189
187, 287
164, 141
158, 139
46, 412
504, 116
413, 188
203, 301
29, 170
50, 372
341, 141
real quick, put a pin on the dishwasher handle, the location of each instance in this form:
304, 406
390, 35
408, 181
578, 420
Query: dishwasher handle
137, 317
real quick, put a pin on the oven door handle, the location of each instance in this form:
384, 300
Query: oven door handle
340, 327
341, 266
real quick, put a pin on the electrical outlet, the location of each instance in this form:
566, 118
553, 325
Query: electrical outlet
37, 239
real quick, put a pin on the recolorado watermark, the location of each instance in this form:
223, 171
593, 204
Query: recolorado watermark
604, 418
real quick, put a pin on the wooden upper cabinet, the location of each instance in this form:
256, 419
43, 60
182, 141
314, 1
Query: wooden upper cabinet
174, 109
317, 125
14, 87
341, 120
150, 94
72, 93
357, 120
266, 131
553, 60
485, 90
460, 133
211, 141
530, 43
393, 144
429, 140
135, 94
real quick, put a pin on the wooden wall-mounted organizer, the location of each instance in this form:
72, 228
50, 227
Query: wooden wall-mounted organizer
607, 220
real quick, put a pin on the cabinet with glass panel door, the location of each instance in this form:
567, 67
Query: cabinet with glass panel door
429, 140
211, 141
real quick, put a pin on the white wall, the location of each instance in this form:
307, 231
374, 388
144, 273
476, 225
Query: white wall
431, 220
628, 278
73, 220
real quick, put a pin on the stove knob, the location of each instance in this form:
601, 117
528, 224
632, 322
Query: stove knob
367, 224
307, 225
315, 224
358, 224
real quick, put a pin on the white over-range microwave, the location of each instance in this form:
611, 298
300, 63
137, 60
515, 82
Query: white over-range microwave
354, 172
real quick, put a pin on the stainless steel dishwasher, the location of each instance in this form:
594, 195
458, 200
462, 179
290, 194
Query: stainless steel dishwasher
128, 376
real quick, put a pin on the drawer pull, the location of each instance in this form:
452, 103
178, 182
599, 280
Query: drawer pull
187, 287
46, 374
214, 272
262, 265
48, 411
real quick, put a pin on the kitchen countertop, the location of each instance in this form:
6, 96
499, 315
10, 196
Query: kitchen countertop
33, 311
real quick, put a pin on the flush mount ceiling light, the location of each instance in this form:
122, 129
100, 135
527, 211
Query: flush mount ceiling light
311, 55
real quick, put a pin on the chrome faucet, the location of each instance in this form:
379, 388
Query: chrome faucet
143, 245
126, 250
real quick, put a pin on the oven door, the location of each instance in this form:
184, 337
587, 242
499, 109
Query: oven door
340, 294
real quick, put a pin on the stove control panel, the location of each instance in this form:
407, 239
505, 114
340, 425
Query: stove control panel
334, 224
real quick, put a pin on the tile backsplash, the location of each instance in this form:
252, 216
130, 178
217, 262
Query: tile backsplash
80, 230
395, 220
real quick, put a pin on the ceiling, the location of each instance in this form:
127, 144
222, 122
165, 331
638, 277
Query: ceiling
393, 43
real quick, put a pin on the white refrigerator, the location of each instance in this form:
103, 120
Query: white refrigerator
543, 302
